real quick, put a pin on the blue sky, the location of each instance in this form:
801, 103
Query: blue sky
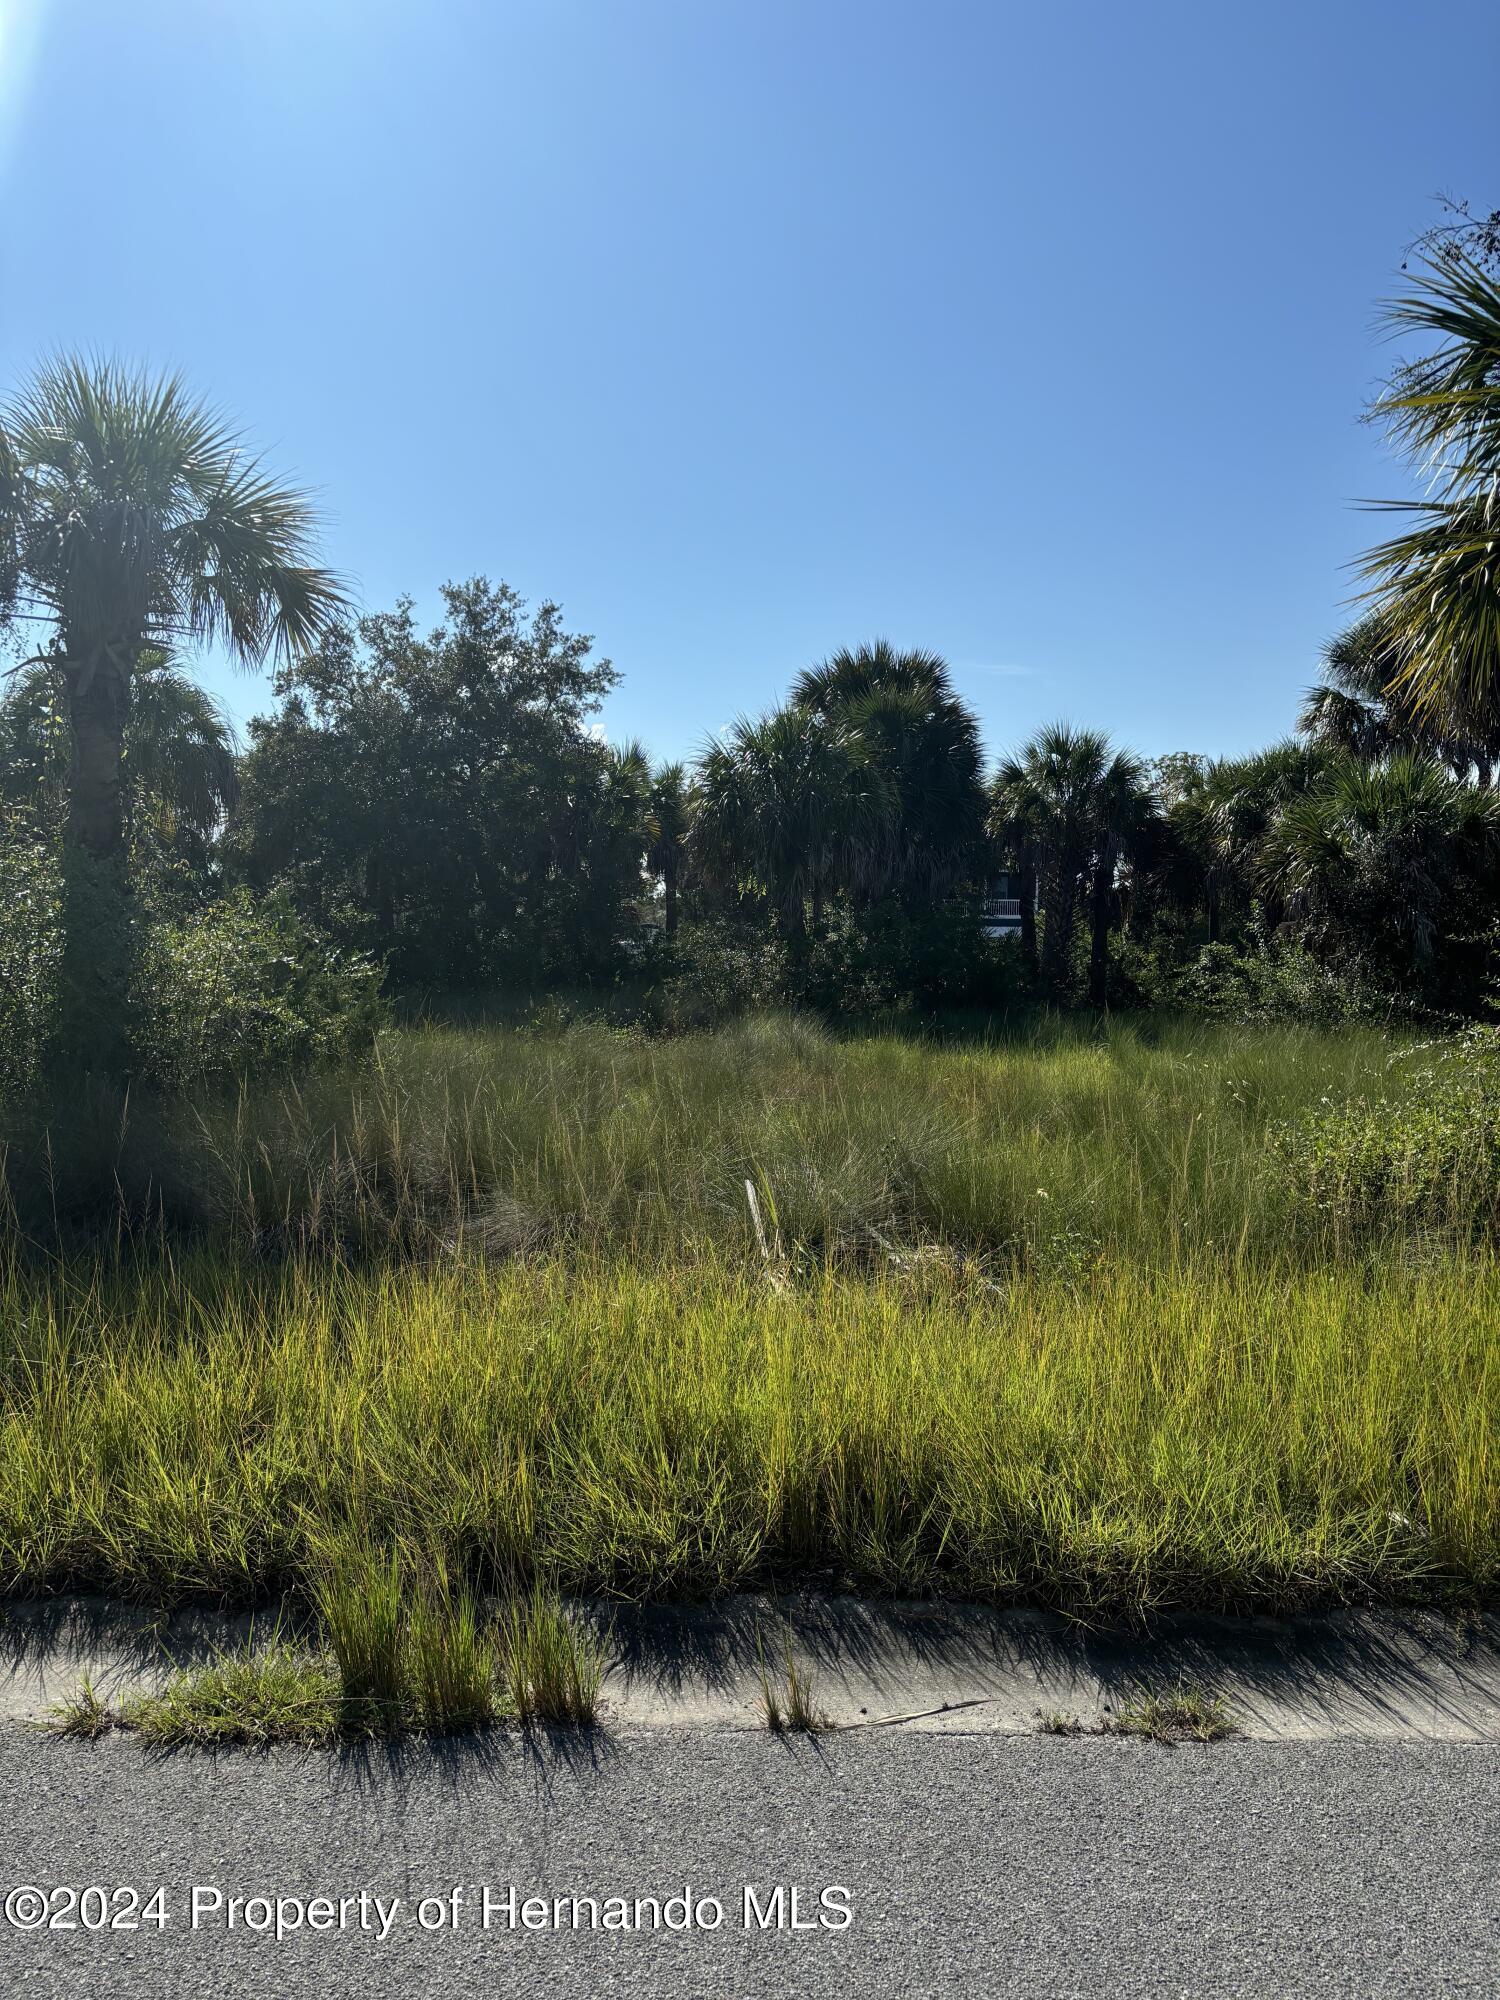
748, 328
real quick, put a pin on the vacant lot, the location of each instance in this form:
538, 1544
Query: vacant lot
1032, 1317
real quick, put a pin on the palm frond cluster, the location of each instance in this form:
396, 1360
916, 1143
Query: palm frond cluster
1435, 587
867, 783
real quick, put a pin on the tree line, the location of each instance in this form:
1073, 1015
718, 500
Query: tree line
440, 801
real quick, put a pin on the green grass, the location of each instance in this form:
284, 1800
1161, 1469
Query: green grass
358, 1592
553, 1667
257, 1699
436, 1665
1183, 1715
1149, 1439
1047, 1147
1027, 1319
84, 1714
786, 1698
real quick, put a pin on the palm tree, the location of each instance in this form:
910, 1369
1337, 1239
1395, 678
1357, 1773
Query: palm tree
138, 523
791, 808
1363, 707
1438, 585
1017, 817
1077, 805
1373, 857
181, 771
1222, 824
669, 814
903, 707
1123, 812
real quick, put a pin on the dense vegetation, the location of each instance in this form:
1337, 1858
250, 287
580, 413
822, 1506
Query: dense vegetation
1045, 1319
438, 806
433, 1138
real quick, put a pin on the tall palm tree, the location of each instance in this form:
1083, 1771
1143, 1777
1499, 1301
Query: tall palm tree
1438, 584
1364, 707
1079, 803
791, 808
139, 523
904, 708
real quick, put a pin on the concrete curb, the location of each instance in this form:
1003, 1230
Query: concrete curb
952, 1668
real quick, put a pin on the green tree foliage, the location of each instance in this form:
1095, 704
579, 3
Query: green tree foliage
132, 520
30, 943
1070, 812
439, 800
1218, 820
669, 815
1392, 864
179, 775
792, 809
1365, 707
1436, 586
240, 983
903, 708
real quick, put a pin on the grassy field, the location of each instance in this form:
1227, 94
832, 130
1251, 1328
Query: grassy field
1053, 1145
1034, 1318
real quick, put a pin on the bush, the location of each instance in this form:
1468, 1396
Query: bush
30, 946
1430, 1160
238, 984
717, 969
870, 961
1275, 981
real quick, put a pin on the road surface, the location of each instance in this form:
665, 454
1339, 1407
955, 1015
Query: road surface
925, 1864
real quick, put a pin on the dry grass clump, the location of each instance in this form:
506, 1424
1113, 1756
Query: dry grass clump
787, 1700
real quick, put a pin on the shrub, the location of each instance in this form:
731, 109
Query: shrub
869, 961
716, 969
241, 983
1430, 1160
30, 946
1276, 981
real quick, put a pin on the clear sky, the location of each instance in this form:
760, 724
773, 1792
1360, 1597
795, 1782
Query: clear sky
1034, 333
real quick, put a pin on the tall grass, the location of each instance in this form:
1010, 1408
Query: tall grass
1035, 1316
1047, 1146
1148, 1438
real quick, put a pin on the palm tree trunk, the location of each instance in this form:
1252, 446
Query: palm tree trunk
94, 974
98, 708
1213, 909
1057, 941
817, 906
669, 894
1028, 912
1104, 885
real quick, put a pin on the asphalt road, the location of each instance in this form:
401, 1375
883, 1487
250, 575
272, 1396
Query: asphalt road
971, 1865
